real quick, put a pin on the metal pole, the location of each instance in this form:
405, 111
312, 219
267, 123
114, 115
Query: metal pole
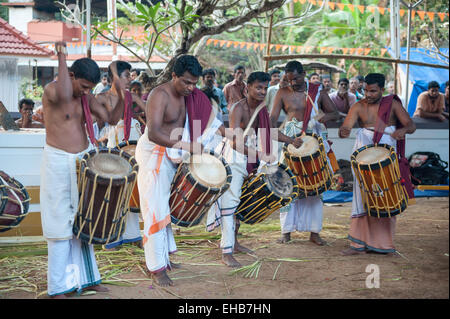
88, 28
408, 46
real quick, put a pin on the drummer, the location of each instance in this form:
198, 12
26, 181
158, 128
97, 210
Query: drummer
241, 165
174, 110
115, 134
371, 233
71, 262
305, 214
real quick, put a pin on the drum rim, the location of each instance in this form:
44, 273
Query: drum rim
104, 180
314, 155
3, 193
384, 214
127, 143
380, 164
294, 195
25, 202
204, 188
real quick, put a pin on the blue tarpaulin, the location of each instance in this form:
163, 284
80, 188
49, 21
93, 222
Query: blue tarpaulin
420, 76
344, 197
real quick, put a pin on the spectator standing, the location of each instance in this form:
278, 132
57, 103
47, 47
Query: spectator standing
343, 99
236, 90
327, 84
102, 85
209, 80
275, 76
353, 88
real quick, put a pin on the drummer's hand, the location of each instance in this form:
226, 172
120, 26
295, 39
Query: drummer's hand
344, 132
398, 134
297, 142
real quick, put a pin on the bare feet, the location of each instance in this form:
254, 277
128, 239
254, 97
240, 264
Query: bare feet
286, 237
238, 248
351, 251
98, 288
162, 279
229, 260
315, 238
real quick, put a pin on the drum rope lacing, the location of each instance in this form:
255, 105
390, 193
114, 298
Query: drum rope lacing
17, 201
124, 193
394, 171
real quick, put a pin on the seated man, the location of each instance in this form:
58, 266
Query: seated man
431, 104
26, 110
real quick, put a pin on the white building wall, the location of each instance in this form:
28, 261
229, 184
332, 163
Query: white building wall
9, 80
19, 18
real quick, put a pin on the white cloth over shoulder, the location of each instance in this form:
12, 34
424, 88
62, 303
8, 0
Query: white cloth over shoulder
365, 137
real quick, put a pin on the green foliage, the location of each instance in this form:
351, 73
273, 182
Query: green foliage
4, 11
31, 90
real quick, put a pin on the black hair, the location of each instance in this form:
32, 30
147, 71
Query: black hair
258, 76
274, 71
377, 78
187, 63
136, 70
121, 67
210, 94
293, 66
314, 73
87, 69
238, 67
343, 80
25, 101
433, 84
360, 78
208, 71
135, 82
104, 75
446, 84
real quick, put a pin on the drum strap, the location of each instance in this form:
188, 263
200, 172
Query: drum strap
88, 118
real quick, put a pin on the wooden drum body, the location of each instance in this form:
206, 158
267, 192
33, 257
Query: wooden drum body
105, 182
130, 148
378, 174
265, 193
14, 202
310, 165
198, 183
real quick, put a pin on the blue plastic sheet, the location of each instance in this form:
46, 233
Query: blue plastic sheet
344, 197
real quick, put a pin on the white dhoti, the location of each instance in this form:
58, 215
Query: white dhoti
223, 214
304, 214
155, 176
366, 232
71, 262
115, 134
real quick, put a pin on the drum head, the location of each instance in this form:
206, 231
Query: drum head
130, 149
310, 146
278, 181
109, 165
208, 170
372, 155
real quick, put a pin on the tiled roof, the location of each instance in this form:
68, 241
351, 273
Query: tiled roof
13, 42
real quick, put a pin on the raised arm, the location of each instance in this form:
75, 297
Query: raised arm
63, 86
